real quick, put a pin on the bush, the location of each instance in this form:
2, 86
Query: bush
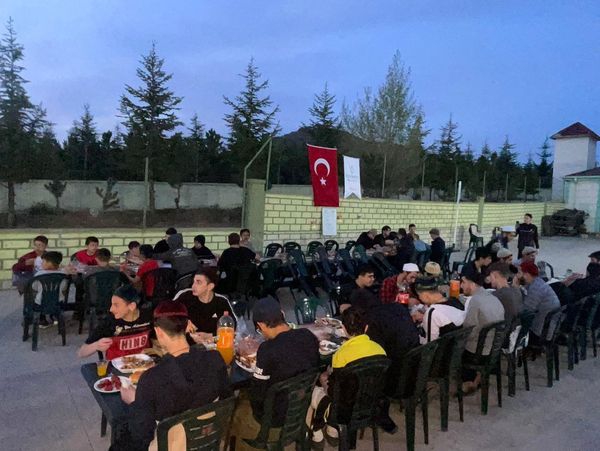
41, 208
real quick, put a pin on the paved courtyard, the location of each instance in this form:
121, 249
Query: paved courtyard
45, 404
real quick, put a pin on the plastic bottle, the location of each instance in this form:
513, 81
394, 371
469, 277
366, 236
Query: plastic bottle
226, 337
454, 286
403, 295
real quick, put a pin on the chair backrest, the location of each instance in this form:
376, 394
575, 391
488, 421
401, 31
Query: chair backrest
185, 281
591, 308
349, 244
331, 245
366, 375
297, 391
525, 321
239, 278
359, 253
347, 262
448, 356
205, 427
99, 288
415, 370
291, 245
571, 319
50, 300
272, 248
498, 331
268, 271
299, 262
312, 246
306, 310
164, 283
445, 265
384, 266
552, 320
323, 258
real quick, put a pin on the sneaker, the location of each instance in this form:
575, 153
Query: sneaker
44, 324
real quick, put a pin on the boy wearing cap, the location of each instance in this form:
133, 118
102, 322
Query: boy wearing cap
539, 298
391, 285
175, 384
528, 254
285, 353
442, 315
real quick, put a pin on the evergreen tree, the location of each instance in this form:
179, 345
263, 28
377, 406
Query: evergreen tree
21, 122
81, 146
446, 160
251, 122
506, 166
530, 177
544, 169
197, 147
324, 127
149, 114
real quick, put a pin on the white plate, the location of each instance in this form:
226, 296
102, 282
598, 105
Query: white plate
328, 351
118, 363
244, 367
124, 381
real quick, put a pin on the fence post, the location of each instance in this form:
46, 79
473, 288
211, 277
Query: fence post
481, 201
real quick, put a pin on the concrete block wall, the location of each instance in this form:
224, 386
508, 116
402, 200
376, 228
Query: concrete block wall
13, 244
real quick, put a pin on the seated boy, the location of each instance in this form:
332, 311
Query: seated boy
29, 263
103, 259
50, 265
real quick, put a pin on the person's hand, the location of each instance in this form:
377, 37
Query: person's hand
128, 394
202, 337
103, 344
417, 316
324, 379
190, 328
412, 302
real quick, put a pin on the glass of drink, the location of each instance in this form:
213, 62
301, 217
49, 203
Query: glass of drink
102, 368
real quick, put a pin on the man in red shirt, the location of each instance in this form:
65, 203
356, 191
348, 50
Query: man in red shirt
390, 286
25, 268
148, 264
87, 256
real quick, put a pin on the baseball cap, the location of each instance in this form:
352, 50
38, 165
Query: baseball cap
529, 250
426, 284
503, 253
410, 267
433, 268
530, 268
266, 310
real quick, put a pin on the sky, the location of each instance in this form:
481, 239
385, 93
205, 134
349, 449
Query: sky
501, 68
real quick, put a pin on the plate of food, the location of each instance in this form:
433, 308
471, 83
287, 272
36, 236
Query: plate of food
327, 347
246, 362
133, 363
110, 384
328, 322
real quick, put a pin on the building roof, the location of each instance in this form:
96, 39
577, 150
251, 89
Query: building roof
576, 129
594, 172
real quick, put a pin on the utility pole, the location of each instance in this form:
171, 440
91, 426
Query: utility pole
483, 189
383, 177
506, 189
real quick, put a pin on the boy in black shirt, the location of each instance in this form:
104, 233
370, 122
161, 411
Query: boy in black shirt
285, 354
528, 234
186, 378
201, 250
126, 330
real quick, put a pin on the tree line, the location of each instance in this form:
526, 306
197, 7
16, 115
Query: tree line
385, 127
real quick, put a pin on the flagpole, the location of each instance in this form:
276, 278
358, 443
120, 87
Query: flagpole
458, 193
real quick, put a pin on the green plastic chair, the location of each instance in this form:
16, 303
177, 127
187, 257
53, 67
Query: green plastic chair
50, 305
98, 290
514, 354
349, 245
447, 367
291, 245
586, 325
312, 247
359, 253
268, 271
568, 334
272, 248
331, 245
366, 375
205, 427
297, 391
489, 364
412, 388
306, 310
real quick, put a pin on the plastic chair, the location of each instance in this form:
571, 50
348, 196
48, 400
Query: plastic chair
513, 352
297, 392
164, 285
422, 257
586, 323
331, 245
326, 275
270, 281
205, 427
272, 248
98, 290
446, 260
300, 272
548, 342
489, 364
360, 254
349, 245
383, 265
239, 281
291, 245
184, 282
447, 367
347, 264
50, 305
305, 309
412, 388
568, 334
312, 246
366, 376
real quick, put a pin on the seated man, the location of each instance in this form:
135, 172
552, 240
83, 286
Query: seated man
412, 231
50, 265
594, 257
367, 239
392, 285
103, 256
132, 254
481, 310
380, 239
182, 259
405, 248
364, 281
200, 249
527, 255
162, 245
479, 265
204, 306
29, 263
438, 246
87, 256
274, 363
175, 384
358, 346
442, 315
126, 330
245, 239
233, 257
511, 297
148, 265
581, 286
539, 298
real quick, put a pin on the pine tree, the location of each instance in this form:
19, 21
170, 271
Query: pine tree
149, 114
21, 122
197, 146
251, 121
446, 160
544, 169
530, 177
324, 127
81, 146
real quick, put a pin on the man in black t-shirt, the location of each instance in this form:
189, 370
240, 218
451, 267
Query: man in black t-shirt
528, 234
285, 354
364, 282
232, 258
367, 239
200, 248
125, 330
204, 306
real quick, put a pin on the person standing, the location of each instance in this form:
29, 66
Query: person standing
527, 233
438, 246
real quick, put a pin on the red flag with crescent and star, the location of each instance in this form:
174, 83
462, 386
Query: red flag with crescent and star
322, 162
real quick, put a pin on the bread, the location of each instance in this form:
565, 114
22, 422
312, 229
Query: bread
135, 377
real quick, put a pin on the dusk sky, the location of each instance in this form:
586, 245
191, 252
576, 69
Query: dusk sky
522, 69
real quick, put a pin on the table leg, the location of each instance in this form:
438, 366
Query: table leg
103, 425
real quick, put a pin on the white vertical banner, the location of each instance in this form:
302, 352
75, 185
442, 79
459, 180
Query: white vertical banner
352, 177
329, 220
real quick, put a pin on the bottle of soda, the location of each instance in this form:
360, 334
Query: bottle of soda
225, 337
454, 285
403, 295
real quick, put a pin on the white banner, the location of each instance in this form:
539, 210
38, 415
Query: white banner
329, 216
352, 177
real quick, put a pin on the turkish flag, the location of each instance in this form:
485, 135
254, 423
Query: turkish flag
324, 176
